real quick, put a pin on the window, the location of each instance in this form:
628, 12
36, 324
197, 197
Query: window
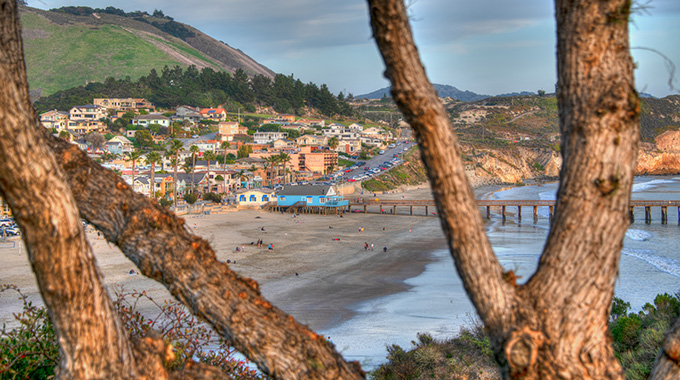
282, 198
322, 200
253, 198
310, 200
265, 198
242, 198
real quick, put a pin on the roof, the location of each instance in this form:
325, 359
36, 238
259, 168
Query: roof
151, 117
213, 110
305, 190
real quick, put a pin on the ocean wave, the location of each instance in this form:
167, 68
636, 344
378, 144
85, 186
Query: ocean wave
663, 264
638, 187
638, 235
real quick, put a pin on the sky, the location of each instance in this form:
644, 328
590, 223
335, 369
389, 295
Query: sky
485, 46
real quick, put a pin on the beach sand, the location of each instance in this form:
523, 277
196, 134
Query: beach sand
309, 273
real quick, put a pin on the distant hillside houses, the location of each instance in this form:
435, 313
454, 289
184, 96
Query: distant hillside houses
123, 104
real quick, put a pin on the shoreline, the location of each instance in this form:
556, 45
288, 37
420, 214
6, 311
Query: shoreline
333, 276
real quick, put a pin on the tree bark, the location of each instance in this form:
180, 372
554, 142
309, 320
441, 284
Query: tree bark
89, 333
554, 326
92, 343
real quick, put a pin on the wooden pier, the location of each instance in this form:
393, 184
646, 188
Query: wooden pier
428, 207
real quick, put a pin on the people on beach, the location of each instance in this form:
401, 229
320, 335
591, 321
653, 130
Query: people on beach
243, 247
271, 247
385, 249
371, 246
365, 246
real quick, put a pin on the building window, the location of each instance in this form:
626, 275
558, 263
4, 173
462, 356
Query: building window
310, 200
265, 198
242, 198
253, 198
322, 200
282, 198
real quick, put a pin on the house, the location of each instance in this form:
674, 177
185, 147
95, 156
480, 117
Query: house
118, 145
146, 120
216, 114
287, 117
188, 113
255, 197
312, 140
283, 144
268, 137
87, 112
227, 130
54, 119
83, 127
313, 195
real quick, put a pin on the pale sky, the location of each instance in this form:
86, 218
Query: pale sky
485, 46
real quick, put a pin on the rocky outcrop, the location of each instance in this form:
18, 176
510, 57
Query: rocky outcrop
513, 165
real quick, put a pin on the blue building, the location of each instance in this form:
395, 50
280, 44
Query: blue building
313, 195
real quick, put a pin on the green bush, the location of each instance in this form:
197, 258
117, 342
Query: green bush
190, 198
165, 202
212, 197
31, 350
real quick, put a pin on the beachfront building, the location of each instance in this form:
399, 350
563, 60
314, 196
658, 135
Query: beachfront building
255, 197
313, 195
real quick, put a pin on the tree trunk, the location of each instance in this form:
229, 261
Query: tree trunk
555, 326
92, 343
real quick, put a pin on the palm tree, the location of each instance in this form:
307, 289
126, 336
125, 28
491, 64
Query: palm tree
175, 147
333, 143
133, 156
284, 158
274, 162
208, 155
152, 159
225, 146
193, 149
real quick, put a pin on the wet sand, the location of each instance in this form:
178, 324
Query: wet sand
309, 274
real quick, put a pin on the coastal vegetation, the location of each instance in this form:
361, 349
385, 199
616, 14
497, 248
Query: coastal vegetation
637, 340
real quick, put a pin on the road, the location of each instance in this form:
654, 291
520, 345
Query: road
378, 160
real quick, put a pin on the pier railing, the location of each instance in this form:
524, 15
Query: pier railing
392, 206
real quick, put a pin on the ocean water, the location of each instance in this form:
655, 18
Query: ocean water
436, 302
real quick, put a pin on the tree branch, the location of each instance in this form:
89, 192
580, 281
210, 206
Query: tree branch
476, 263
92, 342
163, 249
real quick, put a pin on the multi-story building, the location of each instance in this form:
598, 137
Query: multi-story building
146, 120
54, 119
87, 112
268, 137
217, 114
123, 104
228, 129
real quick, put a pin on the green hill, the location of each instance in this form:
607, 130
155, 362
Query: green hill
65, 50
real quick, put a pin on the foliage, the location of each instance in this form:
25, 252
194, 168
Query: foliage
638, 336
637, 339
467, 356
190, 198
244, 151
31, 351
165, 202
204, 88
212, 196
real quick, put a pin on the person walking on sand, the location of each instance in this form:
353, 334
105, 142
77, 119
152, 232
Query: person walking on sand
365, 246
385, 249
243, 247
371, 246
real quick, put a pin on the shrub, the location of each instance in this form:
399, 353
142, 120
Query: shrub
165, 202
31, 350
190, 198
212, 197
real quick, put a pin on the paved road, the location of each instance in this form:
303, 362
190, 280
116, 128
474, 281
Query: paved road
378, 160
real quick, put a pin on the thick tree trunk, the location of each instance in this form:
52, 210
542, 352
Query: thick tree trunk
92, 342
555, 326
90, 338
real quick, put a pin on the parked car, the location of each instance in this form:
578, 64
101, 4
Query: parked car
9, 231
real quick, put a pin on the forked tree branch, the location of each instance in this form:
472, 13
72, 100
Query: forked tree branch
475, 261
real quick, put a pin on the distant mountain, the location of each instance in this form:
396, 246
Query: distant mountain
444, 91
73, 46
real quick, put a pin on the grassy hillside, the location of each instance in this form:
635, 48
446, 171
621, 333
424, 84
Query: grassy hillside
64, 50
63, 56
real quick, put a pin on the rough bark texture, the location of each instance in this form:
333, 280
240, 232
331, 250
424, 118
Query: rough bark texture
161, 246
667, 364
92, 347
92, 343
555, 326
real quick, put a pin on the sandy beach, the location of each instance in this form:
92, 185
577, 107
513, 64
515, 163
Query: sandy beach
316, 271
